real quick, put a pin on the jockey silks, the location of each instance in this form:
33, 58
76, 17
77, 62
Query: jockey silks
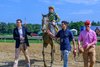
53, 16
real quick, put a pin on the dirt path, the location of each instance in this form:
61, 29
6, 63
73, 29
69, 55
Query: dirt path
35, 51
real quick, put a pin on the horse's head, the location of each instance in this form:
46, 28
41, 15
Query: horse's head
97, 31
45, 22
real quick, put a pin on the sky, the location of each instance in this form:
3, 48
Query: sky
31, 11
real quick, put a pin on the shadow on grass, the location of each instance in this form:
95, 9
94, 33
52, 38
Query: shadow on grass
97, 61
88, 61
21, 63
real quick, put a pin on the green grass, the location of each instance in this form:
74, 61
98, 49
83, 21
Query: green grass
12, 41
31, 41
98, 43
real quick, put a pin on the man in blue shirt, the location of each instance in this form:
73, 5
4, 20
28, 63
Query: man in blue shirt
66, 37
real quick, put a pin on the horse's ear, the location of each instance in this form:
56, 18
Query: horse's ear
42, 15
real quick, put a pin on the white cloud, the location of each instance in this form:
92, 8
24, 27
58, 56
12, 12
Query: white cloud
57, 2
83, 12
60, 2
9, 5
15, 1
45, 1
82, 1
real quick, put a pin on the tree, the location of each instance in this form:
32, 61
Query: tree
3, 28
36, 28
10, 27
76, 25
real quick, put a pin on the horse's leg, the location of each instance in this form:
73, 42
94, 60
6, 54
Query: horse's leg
44, 56
52, 52
53, 48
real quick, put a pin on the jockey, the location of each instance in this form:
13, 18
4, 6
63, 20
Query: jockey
53, 18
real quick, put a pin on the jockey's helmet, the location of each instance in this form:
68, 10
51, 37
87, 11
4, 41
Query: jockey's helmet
51, 7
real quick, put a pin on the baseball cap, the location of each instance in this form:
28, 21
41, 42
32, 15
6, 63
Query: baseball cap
87, 22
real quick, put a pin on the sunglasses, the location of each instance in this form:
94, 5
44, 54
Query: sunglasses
87, 25
18, 22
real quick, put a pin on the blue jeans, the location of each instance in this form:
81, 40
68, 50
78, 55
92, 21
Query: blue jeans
65, 55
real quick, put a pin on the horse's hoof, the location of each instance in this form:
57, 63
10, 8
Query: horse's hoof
51, 64
45, 65
54, 51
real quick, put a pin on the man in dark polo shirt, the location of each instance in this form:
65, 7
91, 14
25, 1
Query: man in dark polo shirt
20, 36
66, 37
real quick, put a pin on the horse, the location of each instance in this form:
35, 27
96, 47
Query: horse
97, 30
47, 39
